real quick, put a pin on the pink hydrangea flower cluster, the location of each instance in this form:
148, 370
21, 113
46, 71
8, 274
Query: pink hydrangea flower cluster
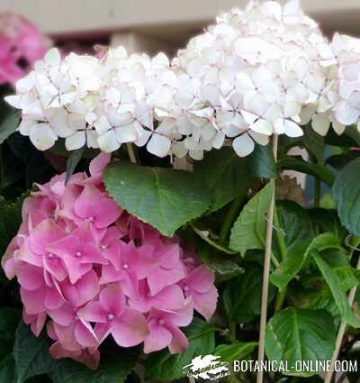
88, 269
21, 44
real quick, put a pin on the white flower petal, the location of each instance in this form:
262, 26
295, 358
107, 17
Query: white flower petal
42, 136
108, 142
321, 124
159, 145
75, 141
243, 145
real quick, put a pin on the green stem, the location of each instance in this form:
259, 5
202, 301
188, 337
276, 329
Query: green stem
317, 192
229, 218
205, 235
131, 153
266, 273
232, 331
274, 260
280, 299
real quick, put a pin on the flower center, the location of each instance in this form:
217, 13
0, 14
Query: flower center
78, 254
161, 322
51, 255
186, 288
125, 266
110, 316
103, 247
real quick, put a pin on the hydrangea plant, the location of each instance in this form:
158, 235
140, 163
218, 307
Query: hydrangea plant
117, 263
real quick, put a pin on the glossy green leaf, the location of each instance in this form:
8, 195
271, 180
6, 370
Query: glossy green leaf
346, 192
300, 335
164, 198
225, 176
262, 163
235, 351
297, 233
31, 354
296, 259
248, 232
336, 288
242, 296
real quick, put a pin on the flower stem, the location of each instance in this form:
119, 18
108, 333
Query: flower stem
266, 274
131, 153
342, 329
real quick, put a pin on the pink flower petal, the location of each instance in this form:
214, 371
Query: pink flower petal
130, 329
158, 338
179, 342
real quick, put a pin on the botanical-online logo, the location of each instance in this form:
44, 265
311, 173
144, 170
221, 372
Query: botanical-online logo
207, 367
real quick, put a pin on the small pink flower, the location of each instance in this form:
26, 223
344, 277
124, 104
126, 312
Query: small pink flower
199, 286
164, 329
112, 316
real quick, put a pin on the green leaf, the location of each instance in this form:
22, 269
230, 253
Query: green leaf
73, 161
338, 161
225, 175
298, 164
315, 144
350, 138
248, 232
327, 220
295, 334
297, 228
114, 368
346, 192
336, 288
235, 351
295, 260
164, 367
9, 125
262, 163
222, 264
242, 296
31, 354
9, 318
164, 198
8, 370
347, 277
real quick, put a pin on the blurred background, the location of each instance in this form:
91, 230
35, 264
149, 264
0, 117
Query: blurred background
153, 25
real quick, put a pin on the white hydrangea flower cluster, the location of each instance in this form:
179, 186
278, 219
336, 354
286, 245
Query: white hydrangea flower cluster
258, 72
100, 103
347, 51
56, 99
